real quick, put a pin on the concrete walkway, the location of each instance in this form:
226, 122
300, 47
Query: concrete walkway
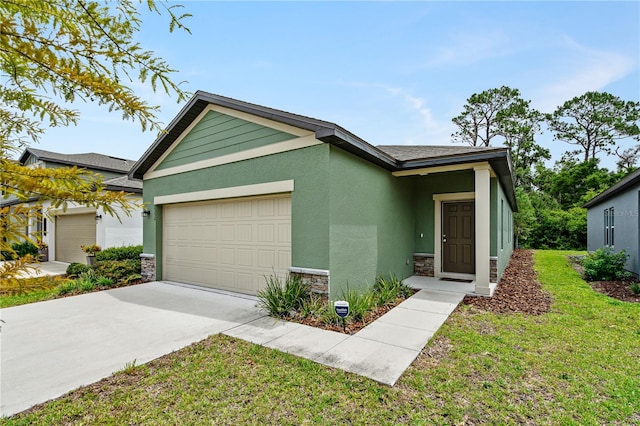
44, 268
381, 351
50, 348
50, 268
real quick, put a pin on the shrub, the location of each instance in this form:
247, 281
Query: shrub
104, 282
120, 253
119, 271
314, 306
281, 299
24, 248
86, 285
635, 288
68, 287
7, 255
605, 265
76, 269
389, 289
359, 303
91, 249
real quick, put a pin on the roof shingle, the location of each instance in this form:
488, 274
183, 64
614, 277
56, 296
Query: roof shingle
420, 152
88, 160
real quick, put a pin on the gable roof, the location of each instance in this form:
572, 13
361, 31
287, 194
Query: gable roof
123, 183
627, 182
390, 157
89, 160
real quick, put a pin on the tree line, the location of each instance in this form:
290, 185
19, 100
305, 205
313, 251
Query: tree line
550, 199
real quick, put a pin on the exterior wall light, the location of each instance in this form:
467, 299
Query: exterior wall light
146, 213
98, 217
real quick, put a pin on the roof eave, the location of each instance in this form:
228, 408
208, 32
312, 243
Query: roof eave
631, 180
324, 131
499, 159
350, 143
127, 189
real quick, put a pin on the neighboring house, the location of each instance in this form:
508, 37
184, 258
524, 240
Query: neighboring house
239, 191
613, 220
66, 231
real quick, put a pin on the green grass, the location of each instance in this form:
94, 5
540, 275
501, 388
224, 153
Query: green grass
578, 364
29, 290
23, 299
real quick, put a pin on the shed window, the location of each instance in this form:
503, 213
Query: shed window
609, 227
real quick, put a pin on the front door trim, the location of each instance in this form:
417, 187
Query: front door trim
437, 243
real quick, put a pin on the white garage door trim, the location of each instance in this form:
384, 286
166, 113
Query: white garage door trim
277, 187
229, 244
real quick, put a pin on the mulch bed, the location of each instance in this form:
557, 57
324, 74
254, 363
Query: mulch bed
351, 327
519, 290
620, 290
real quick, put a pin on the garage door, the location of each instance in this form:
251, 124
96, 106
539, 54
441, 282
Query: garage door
228, 244
73, 231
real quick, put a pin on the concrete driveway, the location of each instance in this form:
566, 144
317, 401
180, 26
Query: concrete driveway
49, 348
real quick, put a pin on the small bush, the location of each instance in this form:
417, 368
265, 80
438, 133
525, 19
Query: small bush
104, 282
635, 288
359, 303
282, 299
119, 271
119, 253
86, 285
605, 265
76, 269
24, 248
389, 289
314, 306
68, 287
7, 255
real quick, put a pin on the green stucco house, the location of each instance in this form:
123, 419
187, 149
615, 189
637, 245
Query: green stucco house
236, 191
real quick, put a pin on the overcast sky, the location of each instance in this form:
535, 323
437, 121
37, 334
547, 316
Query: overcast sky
392, 73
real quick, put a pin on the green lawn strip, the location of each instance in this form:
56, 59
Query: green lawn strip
29, 290
577, 364
31, 297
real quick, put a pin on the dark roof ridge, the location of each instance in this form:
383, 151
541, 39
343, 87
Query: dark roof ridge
326, 132
91, 160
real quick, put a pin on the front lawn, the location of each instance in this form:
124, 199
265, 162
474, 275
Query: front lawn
577, 364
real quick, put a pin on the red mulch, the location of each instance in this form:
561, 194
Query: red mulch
351, 327
620, 290
519, 290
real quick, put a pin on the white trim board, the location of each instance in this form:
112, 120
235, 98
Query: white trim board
300, 133
229, 192
275, 148
442, 169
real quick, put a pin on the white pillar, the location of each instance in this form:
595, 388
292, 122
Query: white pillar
483, 228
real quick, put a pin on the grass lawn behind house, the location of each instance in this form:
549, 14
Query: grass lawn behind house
578, 364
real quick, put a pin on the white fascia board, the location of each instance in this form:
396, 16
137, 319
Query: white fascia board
275, 148
442, 169
266, 188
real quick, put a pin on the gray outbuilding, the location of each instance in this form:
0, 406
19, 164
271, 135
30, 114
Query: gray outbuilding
613, 220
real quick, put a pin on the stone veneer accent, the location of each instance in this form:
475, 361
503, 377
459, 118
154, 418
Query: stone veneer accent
423, 266
493, 269
148, 267
316, 279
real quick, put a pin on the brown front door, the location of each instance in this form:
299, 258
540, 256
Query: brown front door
458, 237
